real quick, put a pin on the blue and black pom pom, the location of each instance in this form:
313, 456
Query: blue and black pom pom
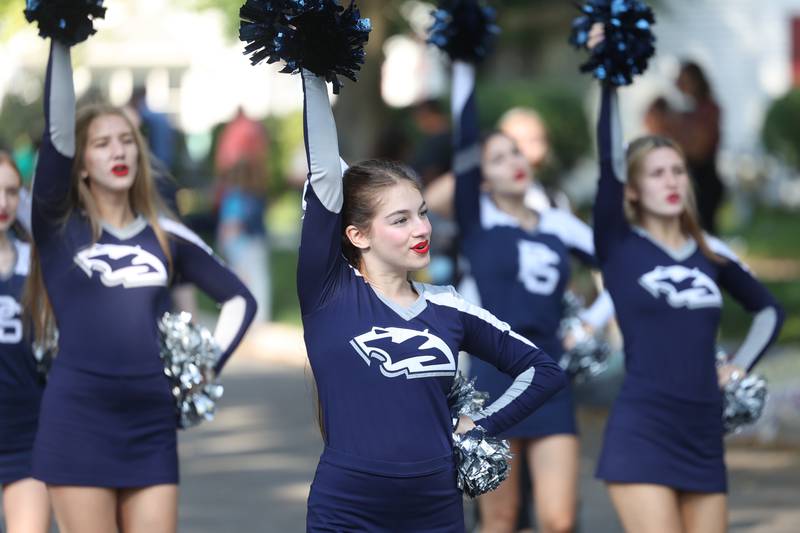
628, 43
67, 21
465, 29
318, 35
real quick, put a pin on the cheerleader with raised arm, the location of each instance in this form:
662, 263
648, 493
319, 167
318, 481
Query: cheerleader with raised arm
663, 452
107, 255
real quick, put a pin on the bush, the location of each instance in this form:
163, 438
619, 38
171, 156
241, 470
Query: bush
781, 131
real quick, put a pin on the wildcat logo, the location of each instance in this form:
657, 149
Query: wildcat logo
10, 324
118, 264
405, 352
682, 286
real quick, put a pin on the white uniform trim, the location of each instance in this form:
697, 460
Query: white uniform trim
325, 165
176, 228
22, 266
62, 102
447, 296
720, 248
617, 142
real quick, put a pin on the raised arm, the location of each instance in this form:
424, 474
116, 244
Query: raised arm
320, 262
536, 375
737, 279
196, 263
466, 147
609, 216
52, 179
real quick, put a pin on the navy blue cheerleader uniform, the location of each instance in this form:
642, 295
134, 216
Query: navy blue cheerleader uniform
21, 385
665, 427
383, 371
520, 275
108, 418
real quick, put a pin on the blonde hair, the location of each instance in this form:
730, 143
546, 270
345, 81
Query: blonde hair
637, 153
142, 195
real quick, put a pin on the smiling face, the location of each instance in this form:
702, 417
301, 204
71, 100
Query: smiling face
506, 172
398, 238
660, 187
10, 183
110, 159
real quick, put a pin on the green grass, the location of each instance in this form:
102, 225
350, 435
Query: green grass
770, 233
736, 321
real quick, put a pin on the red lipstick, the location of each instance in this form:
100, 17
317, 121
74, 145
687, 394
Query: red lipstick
519, 175
422, 248
4, 217
674, 198
120, 170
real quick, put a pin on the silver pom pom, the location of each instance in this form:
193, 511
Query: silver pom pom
481, 461
189, 353
589, 357
743, 398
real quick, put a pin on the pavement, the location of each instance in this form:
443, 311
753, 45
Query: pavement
250, 469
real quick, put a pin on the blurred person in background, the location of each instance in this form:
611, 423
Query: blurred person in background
526, 128
157, 129
241, 234
242, 141
519, 268
26, 505
696, 128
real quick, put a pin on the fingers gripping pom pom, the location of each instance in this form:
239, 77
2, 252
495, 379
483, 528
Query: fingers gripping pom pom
628, 43
481, 461
67, 21
318, 35
465, 29
189, 353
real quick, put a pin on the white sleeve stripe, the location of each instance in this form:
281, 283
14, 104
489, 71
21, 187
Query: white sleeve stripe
600, 312
722, 249
467, 159
463, 85
231, 317
513, 392
617, 141
758, 337
572, 231
62, 101
450, 300
325, 165
176, 228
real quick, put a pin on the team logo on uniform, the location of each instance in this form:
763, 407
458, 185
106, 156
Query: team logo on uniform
10, 324
119, 264
538, 267
682, 286
405, 352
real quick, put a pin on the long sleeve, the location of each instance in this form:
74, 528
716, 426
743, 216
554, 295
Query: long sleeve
320, 262
52, 178
768, 316
466, 146
536, 375
196, 263
609, 216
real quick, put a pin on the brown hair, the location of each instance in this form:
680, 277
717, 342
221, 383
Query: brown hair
16, 227
637, 153
363, 183
142, 195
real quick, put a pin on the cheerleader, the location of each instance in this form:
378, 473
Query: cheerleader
519, 263
662, 456
106, 445
384, 349
25, 503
